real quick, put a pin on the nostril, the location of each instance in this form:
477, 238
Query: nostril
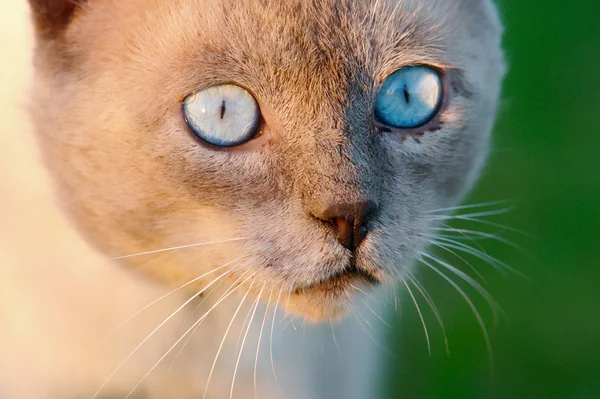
349, 222
345, 231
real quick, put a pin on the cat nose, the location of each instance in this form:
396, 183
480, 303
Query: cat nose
349, 221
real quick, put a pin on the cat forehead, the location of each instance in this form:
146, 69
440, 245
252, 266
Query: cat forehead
363, 34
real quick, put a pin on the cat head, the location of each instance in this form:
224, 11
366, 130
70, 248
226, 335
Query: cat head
303, 142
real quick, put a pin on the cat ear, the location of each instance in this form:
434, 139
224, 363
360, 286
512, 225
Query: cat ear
51, 17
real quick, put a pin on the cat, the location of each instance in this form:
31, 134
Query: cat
268, 159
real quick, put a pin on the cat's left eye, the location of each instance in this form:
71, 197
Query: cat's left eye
409, 98
224, 115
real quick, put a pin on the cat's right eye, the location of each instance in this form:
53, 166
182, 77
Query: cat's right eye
224, 115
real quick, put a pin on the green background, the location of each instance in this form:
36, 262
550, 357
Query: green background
546, 159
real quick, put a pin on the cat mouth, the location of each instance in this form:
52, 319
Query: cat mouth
342, 280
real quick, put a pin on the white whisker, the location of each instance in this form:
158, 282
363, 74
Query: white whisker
496, 263
497, 225
395, 292
433, 307
367, 305
200, 244
240, 336
190, 336
357, 288
420, 316
212, 369
491, 236
486, 336
462, 259
262, 327
237, 363
474, 215
358, 318
478, 287
470, 238
335, 341
216, 287
167, 294
461, 237
271, 340
152, 334
471, 206
194, 326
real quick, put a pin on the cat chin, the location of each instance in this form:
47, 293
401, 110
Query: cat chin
328, 300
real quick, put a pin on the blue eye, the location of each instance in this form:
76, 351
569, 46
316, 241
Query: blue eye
409, 97
224, 115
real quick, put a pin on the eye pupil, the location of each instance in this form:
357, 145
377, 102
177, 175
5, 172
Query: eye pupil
409, 98
223, 108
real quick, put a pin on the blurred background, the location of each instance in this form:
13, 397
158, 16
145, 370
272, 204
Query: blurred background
547, 159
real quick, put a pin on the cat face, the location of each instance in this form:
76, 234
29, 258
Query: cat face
323, 197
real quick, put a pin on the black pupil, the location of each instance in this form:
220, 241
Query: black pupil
406, 94
222, 108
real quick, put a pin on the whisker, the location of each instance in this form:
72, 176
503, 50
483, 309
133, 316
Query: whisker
167, 294
472, 206
375, 313
395, 291
500, 226
368, 323
462, 259
462, 247
262, 327
288, 320
198, 325
212, 369
178, 247
433, 307
154, 260
367, 305
486, 336
152, 334
358, 316
246, 319
492, 236
420, 316
214, 289
357, 288
472, 215
271, 340
478, 287
461, 237
496, 263
470, 238
237, 363
335, 342
195, 325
